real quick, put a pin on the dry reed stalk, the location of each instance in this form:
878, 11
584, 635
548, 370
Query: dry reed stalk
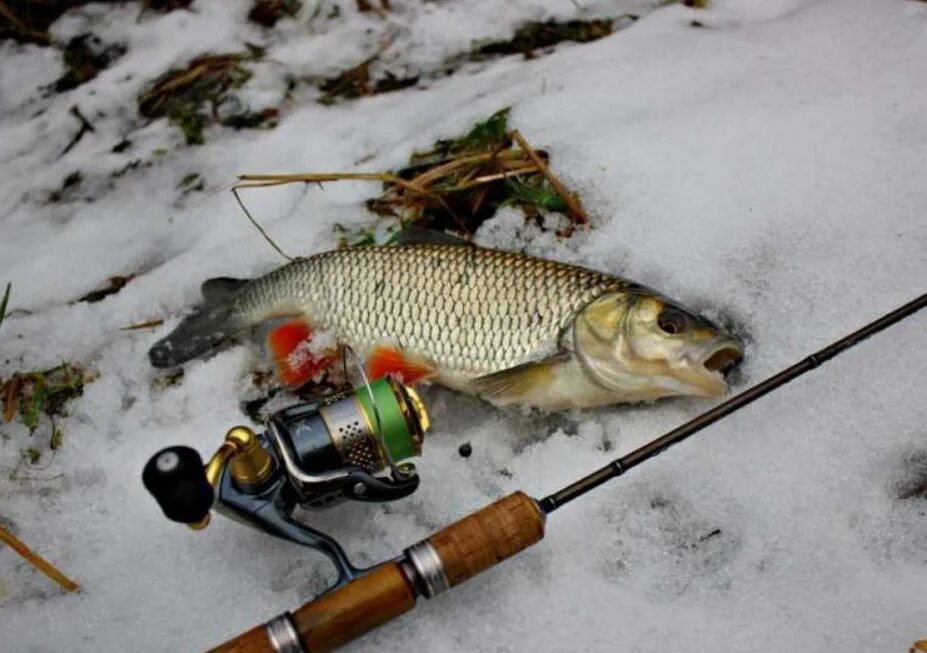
37, 561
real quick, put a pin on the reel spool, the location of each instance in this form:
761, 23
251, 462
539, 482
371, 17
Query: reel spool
352, 446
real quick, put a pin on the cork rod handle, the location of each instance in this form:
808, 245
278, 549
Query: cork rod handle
466, 547
488, 536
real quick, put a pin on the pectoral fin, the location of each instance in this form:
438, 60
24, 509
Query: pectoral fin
520, 382
295, 360
391, 361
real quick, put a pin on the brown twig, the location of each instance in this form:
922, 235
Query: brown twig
6, 12
202, 66
5, 301
255, 181
579, 215
85, 126
153, 102
264, 180
149, 324
258, 226
485, 179
10, 391
444, 169
37, 561
359, 73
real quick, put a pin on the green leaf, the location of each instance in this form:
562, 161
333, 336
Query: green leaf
489, 134
354, 237
188, 180
543, 196
29, 410
191, 122
57, 437
32, 455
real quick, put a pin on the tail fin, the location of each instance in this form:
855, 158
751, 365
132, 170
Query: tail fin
199, 333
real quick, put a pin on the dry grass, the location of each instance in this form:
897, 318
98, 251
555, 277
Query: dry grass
455, 185
32, 394
191, 96
37, 561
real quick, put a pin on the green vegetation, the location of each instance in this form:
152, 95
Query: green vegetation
84, 57
454, 186
191, 96
39, 396
465, 180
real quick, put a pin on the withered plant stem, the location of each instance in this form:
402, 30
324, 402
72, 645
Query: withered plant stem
148, 324
255, 181
485, 179
6, 12
85, 126
463, 171
258, 226
10, 398
576, 210
446, 168
37, 561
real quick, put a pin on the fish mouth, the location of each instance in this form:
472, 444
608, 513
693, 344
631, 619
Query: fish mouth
725, 360
708, 378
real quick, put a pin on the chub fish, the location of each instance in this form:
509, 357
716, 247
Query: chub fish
504, 326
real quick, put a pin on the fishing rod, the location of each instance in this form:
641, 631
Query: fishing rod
365, 599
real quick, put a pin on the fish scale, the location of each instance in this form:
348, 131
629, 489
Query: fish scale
469, 310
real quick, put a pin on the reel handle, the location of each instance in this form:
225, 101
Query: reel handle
464, 549
176, 479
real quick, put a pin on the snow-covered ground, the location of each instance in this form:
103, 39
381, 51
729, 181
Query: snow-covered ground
768, 166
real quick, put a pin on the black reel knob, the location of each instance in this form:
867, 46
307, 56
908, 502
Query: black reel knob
176, 479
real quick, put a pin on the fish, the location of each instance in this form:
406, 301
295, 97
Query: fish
504, 326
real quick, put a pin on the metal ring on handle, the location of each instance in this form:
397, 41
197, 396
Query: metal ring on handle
429, 567
283, 635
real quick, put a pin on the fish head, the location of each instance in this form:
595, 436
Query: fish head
644, 346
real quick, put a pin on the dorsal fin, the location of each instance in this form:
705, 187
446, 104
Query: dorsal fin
221, 288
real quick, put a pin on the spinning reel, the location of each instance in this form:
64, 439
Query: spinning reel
352, 446
318, 453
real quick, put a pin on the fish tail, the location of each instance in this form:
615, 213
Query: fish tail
196, 335
208, 327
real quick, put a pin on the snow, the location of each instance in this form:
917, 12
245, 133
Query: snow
767, 167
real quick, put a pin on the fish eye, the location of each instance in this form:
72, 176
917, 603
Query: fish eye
672, 321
